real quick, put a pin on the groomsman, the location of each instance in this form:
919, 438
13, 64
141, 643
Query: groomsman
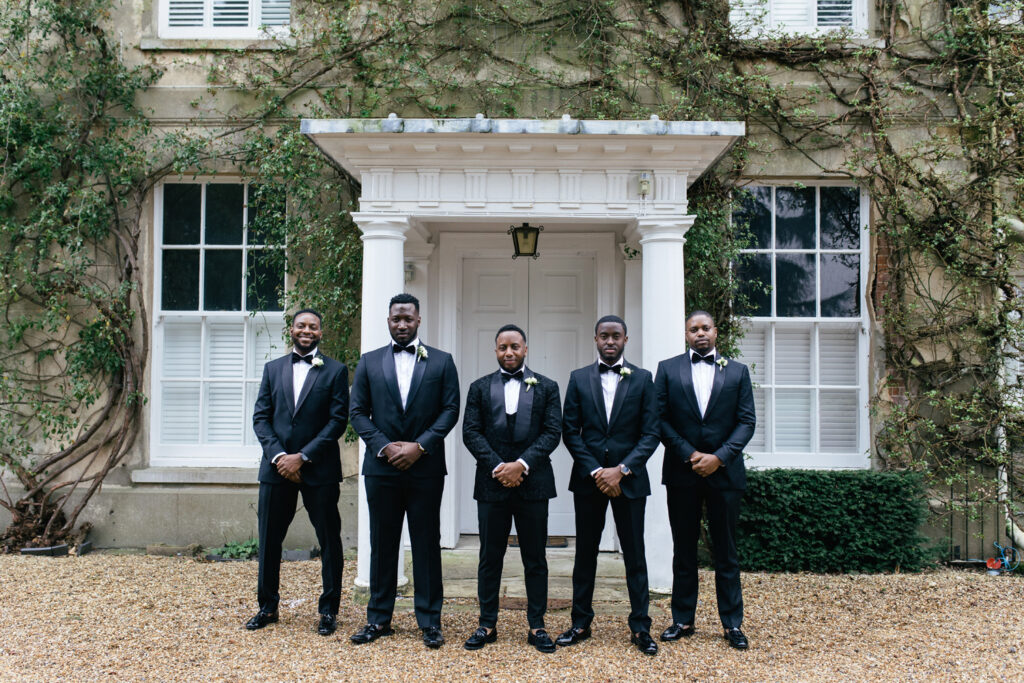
300, 413
610, 426
511, 425
707, 416
405, 399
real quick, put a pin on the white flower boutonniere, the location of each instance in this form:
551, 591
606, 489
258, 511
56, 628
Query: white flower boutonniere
318, 362
530, 382
625, 372
721, 362
421, 353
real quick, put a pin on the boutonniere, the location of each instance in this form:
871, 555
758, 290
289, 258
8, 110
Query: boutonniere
318, 362
721, 363
421, 353
530, 382
625, 372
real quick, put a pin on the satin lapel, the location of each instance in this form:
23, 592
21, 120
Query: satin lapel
498, 419
387, 365
288, 382
417, 376
307, 386
686, 377
716, 387
598, 392
620, 396
524, 413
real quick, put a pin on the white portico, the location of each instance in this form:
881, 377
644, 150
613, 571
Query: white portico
438, 197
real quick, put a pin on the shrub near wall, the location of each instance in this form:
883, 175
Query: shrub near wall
832, 521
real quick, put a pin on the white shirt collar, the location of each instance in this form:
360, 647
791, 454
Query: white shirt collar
312, 352
713, 352
414, 343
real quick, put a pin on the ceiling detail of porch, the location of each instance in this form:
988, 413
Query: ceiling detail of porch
468, 169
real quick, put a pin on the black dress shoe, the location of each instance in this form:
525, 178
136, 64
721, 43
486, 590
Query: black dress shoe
328, 622
736, 639
572, 636
541, 640
432, 637
260, 620
644, 643
677, 631
370, 633
480, 638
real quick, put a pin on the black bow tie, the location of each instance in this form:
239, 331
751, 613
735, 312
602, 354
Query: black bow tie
506, 376
602, 368
296, 358
398, 348
697, 358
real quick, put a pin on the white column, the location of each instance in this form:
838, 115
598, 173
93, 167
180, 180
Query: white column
661, 244
383, 277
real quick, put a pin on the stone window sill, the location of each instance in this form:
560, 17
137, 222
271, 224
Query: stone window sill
153, 44
214, 476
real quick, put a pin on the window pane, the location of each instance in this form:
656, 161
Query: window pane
265, 281
794, 275
266, 215
223, 286
224, 214
840, 285
793, 420
180, 280
794, 218
754, 274
840, 218
754, 215
838, 421
179, 412
181, 213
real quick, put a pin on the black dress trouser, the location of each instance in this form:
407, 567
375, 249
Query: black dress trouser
495, 519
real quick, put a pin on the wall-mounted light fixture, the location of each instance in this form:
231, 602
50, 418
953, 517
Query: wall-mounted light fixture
524, 239
645, 184
410, 271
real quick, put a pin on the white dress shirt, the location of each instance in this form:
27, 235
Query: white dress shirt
512, 389
703, 375
609, 385
299, 373
405, 363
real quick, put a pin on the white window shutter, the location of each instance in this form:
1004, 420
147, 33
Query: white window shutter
792, 16
185, 12
838, 357
748, 16
793, 356
275, 12
265, 345
838, 420
225, 350
230, 13
833, 14
793, 420
179, 413
224, 413
757, 442
753, 351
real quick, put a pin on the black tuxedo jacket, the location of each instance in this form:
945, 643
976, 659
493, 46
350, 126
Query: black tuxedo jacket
727, 425
431, 409
538, 428
311, 426
629, 439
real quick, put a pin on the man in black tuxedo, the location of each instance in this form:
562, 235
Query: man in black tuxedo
706, 404
405, 400
610, 426
511, 425
300, 414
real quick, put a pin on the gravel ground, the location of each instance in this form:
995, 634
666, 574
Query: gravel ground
150, 618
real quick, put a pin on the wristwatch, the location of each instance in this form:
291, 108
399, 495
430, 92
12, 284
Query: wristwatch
625, 470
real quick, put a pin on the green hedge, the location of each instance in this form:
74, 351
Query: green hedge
832, 521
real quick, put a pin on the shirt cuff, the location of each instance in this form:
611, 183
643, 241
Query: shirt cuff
525, 466
596, 471
380, 453
273, 461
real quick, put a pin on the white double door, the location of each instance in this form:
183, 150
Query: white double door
554, 299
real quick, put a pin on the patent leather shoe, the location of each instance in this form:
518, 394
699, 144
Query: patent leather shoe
541, 640
572, 636
736, 639
644, 643
432, 637
677, 631
260, 620
328, 623
370, 633
480, 638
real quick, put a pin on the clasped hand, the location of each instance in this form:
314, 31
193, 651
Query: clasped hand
402, 454
704, 464
288, 466
607, 480
509, 474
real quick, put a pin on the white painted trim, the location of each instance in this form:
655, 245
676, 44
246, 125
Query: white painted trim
454, 249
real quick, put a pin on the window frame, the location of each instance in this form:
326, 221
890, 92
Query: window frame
815, 458
859, 27
254, 31
238, 455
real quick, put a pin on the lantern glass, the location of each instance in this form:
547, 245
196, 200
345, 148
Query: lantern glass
524, 239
